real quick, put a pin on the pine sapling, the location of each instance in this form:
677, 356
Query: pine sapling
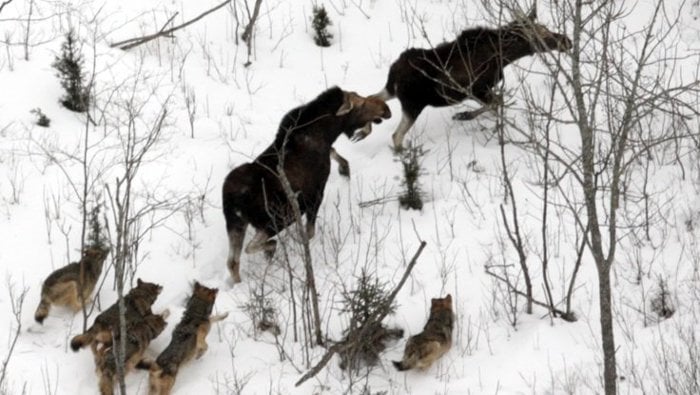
662, 303
320, 22
96, 234
411, 159
69, 66
361, 304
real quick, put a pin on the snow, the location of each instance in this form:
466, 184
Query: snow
237, 112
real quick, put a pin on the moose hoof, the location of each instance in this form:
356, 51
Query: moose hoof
362, 133
270, 247
344, 170
235, 278
463, 116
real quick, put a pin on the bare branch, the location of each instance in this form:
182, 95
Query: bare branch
134, 42
377, 317
4, 3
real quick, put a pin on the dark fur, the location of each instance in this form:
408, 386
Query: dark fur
188, 340
138, 304
468, 67
73, 284
138, 338
253, 194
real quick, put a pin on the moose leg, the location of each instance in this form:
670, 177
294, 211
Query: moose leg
311, 212
343, 165
406, 122
261, 242
489, 101
236, 234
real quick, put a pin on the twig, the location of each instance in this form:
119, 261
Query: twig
562, 314
377, 316
134, 42
16, 305
4, 3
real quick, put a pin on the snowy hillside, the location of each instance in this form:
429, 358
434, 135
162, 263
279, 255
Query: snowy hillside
219, 104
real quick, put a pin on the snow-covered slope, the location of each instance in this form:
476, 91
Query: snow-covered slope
237, 112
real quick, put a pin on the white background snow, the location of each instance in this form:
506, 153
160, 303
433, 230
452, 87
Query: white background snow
237, 112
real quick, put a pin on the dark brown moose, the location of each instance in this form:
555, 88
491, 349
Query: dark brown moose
253, 192
468, 67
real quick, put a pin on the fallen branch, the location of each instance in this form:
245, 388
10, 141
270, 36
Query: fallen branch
377, 317
134, 42
4, 3
562, 314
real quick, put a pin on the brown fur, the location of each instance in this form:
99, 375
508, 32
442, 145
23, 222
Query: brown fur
468, 67
253, 193
188, 340
71, 285
138, 305
138, 338
436, 339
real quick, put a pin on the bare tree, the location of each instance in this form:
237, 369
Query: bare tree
16, 304
616, 88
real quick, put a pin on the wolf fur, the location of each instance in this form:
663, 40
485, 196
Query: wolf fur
436, 339
71, 285
138, 304
188, 340
138, 337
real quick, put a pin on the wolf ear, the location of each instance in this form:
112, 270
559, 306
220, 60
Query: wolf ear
532, 15
448, 298
138, 282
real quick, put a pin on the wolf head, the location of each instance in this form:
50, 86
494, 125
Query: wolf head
437, 304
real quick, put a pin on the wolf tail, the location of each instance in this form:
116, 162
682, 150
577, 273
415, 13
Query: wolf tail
400, 366
43, 310
83, 340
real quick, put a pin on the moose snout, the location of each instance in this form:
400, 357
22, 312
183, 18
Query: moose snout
564, 43
386, 114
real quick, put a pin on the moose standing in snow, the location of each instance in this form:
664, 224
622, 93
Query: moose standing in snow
253, 193
468, 67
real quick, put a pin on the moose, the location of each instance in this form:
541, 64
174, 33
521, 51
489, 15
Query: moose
468, 67
255, 193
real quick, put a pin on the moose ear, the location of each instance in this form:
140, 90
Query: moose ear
138, 282
346, 107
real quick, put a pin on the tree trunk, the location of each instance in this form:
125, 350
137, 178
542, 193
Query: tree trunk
606, 329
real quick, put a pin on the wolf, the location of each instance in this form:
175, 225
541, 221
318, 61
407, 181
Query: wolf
436, 339
188, 340
138, 304
138, 337
72, 285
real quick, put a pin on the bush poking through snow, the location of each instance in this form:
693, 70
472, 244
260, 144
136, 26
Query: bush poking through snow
661, 302
41, 118
261, 312
320, 23
96, 232
69, 66
411, 159
362, 303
